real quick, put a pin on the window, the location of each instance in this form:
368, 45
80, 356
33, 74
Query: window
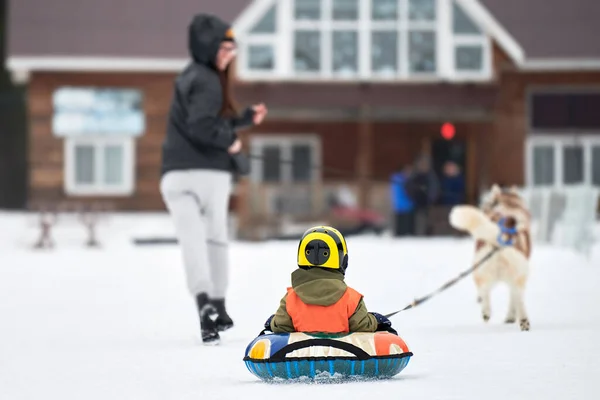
99, 127
261, 57
567, 125
470, 46
99, 166
285, 159
560, 160
543, 165
559, 111
82, 111
572, 164
596, 165
350, 39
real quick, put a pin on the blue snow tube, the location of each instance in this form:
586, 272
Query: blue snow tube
302, 356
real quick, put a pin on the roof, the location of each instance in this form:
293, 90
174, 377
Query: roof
551, 29
127, 34
113, 28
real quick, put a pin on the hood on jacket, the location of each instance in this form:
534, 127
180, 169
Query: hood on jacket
205, 34
318, 286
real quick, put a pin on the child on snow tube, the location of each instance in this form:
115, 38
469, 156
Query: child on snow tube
319, 301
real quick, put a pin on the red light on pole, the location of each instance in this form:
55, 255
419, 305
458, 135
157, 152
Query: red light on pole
448, 131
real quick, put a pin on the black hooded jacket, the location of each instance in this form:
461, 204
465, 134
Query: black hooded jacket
197, 136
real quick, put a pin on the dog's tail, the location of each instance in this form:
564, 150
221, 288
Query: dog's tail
472, 220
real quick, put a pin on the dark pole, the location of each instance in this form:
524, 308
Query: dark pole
3, 39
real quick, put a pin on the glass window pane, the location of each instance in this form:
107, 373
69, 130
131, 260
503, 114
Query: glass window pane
307, 10
543, 165
261, 57
345, 10
384, 52
469, 58
422, 51
462, 23
307, 51
596, 165
550, 110
271, 164
586, 110
345, 51
268, 22
421, 10
565, 110
79, 111
114, 163
573, 164
384, 10
301, 166
84, 164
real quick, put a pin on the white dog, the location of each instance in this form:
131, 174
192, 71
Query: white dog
491, 227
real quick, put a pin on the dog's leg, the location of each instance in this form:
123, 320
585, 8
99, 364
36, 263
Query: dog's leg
523, 318
484, 295
519, 292
511, 317
478, 284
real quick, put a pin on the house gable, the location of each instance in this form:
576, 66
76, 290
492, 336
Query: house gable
430, 40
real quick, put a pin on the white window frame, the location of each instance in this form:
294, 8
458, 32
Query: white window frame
99, 188
458, 39
285, 142
557, 141
282, 41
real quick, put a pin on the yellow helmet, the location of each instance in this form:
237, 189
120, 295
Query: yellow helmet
323, 247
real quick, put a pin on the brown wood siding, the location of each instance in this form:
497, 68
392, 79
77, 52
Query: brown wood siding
397, 145
496, 146
339, 143
46, 158
399, 96
394, 145
505, 149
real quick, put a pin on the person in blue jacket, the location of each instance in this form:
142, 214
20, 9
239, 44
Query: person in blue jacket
453, 185
402, 203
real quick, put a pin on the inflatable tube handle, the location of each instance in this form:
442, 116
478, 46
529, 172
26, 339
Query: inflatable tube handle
356, 351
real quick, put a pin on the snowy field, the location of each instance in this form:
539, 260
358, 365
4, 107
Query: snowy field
117, 322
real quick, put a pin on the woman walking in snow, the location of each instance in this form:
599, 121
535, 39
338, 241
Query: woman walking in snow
198, 160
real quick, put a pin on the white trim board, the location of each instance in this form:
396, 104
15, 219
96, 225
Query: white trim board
117, 64
561, 64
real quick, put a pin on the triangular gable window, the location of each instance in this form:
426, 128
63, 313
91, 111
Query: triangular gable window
470, 43
268, 23
363, 39
462, 23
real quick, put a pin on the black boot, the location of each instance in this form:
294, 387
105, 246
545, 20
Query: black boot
208, 327
223, 320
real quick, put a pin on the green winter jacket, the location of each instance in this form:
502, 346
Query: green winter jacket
321, 287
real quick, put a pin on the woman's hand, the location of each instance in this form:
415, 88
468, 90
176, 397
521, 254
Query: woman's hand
235, 147
260, 111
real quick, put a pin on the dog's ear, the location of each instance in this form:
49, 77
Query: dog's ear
495, 190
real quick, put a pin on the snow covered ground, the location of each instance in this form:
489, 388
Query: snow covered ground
117, 323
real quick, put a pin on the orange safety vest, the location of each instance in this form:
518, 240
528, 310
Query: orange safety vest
326, 319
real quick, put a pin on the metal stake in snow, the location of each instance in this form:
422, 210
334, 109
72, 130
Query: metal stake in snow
445, 286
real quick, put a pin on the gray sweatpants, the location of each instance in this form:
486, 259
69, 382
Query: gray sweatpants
198, 201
